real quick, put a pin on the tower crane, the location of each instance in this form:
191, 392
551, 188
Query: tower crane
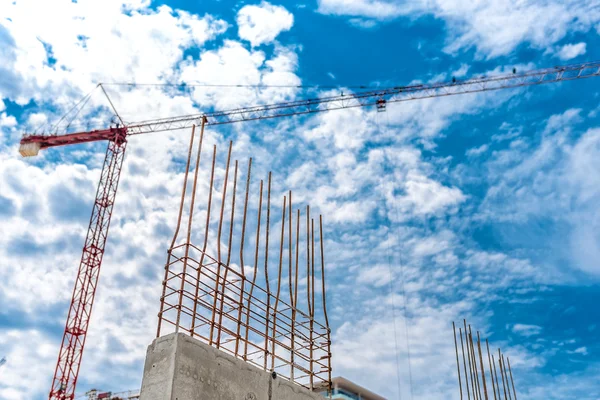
77, 324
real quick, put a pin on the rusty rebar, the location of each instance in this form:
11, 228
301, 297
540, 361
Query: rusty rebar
485, 392
231, 224
511, 378
491, 372
267, 312
496, 375
221, 300
474, 358
502, 373
506, 375
325, 299
254, 272
283, 210
183, 193
295, 301
189, 231
473, 387
457, 363
312, 311
206, 230
242, 265
464, 363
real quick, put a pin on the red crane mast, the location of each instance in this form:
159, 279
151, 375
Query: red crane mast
76, 328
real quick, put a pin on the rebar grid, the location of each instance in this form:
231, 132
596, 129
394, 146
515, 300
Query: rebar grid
233, 306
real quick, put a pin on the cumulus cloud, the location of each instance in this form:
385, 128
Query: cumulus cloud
494, 28
527, 330
261, 24
569, 51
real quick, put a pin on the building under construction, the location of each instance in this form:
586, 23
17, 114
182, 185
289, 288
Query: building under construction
233, 321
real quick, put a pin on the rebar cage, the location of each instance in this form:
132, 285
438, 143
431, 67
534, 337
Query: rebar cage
236, 306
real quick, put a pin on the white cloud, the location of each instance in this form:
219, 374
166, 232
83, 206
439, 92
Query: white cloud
569, 51
232, 63
477, 151
20, 377
494, 27
527, 330
426, 196
551, 178
261, 24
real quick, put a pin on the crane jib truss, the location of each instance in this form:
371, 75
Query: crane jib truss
69, 359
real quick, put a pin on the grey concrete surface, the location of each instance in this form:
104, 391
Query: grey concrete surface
179, 367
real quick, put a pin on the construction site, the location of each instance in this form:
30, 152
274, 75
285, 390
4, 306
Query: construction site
244, 308
227, 332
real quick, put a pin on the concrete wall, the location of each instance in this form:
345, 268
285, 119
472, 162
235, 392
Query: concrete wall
181, 368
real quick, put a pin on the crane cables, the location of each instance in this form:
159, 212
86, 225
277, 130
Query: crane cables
402, 288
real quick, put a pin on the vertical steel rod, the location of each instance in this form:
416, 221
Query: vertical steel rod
295, 308
209, 206
223, 287
474, 358
496, 375
260, 199
491, 371
485, 392
511, 378
502, 373
242, 265
183, 193
506, 375
464, 363
189, 232
329, 388
312, 311
268, 310
457, 363
283, 210
473, 387
220, 262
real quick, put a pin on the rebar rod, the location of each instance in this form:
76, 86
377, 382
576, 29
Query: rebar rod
183, 193
496, 375
464, 363
329, 389
254, 272
220, 262
474, 358
491, 371
502, 373
485, 392
242, 265
506, 375
266, 347
457, 363
206, 230
283, 210
473, 387
189, 231
231, 224
511, 378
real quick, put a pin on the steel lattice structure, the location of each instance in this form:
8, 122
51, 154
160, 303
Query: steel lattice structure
73, 342
249, 314
69, 359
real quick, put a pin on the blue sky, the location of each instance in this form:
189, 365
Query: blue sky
482, 206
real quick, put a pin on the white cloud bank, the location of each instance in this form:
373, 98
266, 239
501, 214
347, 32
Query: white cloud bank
493, 27
262, 23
